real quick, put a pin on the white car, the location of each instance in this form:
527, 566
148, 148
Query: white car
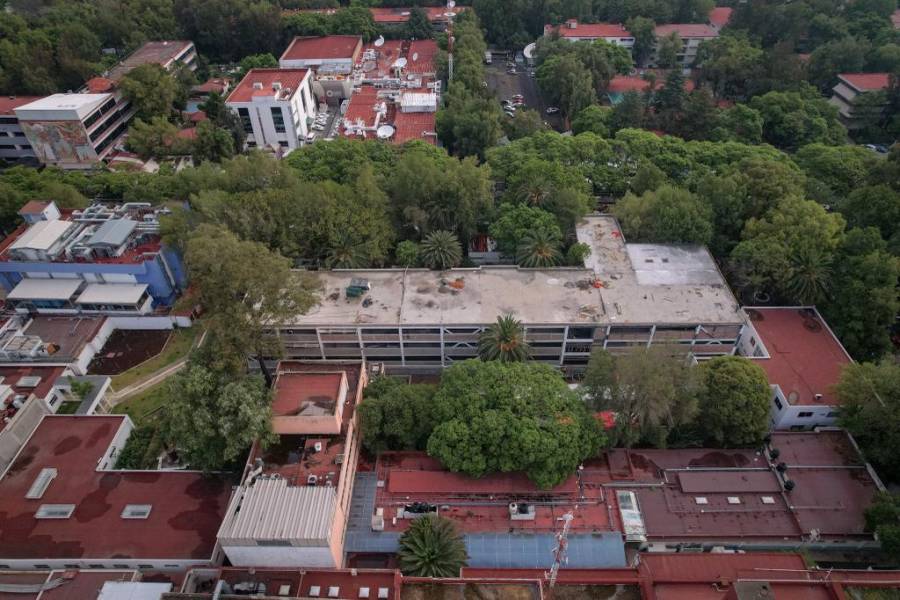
552, 110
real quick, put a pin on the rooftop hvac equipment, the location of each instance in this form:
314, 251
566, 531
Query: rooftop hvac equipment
385, 132
357, 287
334, 591
383, 593
311, 480
314, 591
379, 42
28, 381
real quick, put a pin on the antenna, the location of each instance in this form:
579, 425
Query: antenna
562, 541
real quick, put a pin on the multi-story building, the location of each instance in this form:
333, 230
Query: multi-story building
851, 88
66, 506
293, 503
107, 260
276, 107
691, 36
626, 295
77, 131
14, 146
803, 360
333, 54
614, 33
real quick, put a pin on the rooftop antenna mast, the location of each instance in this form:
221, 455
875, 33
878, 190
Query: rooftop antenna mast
450, 5
559, 552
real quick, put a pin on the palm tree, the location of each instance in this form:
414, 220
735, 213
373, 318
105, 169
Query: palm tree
441, 250
346, 254
539, 249
504, 341
809, 277
432, 547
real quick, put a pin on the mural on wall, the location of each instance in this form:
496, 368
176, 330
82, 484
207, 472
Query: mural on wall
59, 141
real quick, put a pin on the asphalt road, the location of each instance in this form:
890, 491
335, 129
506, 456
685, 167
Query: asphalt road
505, 85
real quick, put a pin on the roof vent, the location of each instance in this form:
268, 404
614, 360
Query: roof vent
312, 480
41, 482
276, 85
257, 85
314, 591
334, 591
28, 381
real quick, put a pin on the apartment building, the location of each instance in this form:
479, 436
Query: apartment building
420, 321
851, 87
276, 107
292, 506
14, 145
691, 36
333, 54
614, 33
105, 260
803, 360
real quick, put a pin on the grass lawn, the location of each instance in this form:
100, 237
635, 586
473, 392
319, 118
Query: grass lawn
68, 408
140, 406
177, 347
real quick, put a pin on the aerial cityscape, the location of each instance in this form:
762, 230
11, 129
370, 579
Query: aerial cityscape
450, 299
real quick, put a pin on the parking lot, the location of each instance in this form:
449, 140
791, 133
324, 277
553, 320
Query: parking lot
505, 85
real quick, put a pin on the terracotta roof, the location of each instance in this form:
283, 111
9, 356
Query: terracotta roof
805, 358
361, 106
720, 15
323, 47
686, 30
866, 82
401, 14
413, 126
211, 85
187, 507
189, 133
297, 392
198, 116
288, 78
424, 52
99, 85
33, 207
592, 30
8, 103
621, 84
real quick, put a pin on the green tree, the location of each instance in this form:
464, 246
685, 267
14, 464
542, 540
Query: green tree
151, 90
847, 55
594, 118
739, 123
539, 249
566, 83
641, 29
407, 253
631, 112
653, 391
524, 123
441, 250
734, 401
794, 119
396, 415
257, 61
883, 519
577, 254
212, 143
869, 396
245, 288
873, 206
732, 64
213, 420
156, 139
665, 215
519, 416
418, 27
515, 221
504, 340
669, 49
842, 168
432, 547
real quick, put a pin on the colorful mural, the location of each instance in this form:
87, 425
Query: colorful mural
59, 142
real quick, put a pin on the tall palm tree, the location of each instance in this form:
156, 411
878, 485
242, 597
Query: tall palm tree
539, 249
441, 250
346, 254
810, 276
504, 341
432, 547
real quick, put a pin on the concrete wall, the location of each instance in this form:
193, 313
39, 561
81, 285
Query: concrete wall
281, 556
19, 429
14, 146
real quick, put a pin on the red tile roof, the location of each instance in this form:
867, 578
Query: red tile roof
866, 82
805, 358
361, 106
686, 30
294, 391
385, 55
197, 116
211, 85
401, 14
420, 58
323, 47
189, 133
288, 78
8, 103
414, 126
34, 207
99, 85
720, 15
621, 84
591, 30
187, 508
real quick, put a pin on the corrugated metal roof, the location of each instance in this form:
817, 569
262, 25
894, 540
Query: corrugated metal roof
113, 233
271, 509
42, 235
112, 293
44, 289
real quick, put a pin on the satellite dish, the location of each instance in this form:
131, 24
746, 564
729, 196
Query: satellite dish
451, 4
415, 56
379, 42
384, 132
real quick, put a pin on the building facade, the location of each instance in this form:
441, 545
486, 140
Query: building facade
691, 36
276, 108
853, 87
14, 145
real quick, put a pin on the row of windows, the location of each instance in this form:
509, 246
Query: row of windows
95, 116
12, 133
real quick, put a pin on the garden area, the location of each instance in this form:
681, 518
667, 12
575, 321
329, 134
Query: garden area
135, 355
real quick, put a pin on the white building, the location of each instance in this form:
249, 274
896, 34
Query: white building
691, 35
276, 107
614, 33
803, 360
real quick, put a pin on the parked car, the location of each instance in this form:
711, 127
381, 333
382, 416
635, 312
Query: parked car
552, 110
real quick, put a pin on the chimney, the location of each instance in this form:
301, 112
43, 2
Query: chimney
572, 24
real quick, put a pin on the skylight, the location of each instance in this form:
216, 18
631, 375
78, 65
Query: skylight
136, 511
41, 482
54, 511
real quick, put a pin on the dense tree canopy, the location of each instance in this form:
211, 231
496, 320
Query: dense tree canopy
734, 401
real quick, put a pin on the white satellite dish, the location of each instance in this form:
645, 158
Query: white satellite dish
451, 4
415, 56
379, 42
384, 132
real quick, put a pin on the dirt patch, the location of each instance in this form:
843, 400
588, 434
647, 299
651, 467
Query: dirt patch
127, 348
469, 591
596, 592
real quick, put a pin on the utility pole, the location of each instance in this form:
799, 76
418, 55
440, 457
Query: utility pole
559, 553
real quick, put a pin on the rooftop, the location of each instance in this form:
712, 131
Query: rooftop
719, 16
186, 506
400, 14
866, 82
81, 104
268, 84
299, 393
686, 30
71, 584
162, 53
805, 358
415, 126
24, 381
420, 58
621, 84
8, 103
68, 334
679, 285
590, 30
326, 47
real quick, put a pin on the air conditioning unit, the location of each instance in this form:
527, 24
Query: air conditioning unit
312, 480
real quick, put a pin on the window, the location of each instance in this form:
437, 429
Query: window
54, 511
273, 542
120, 566
767, 500
701, 500
283, 144
72, 566
778, 403
41, 482
734, 500
244, 114
136, 511
278, 119
805, 414
41, 566
832, 414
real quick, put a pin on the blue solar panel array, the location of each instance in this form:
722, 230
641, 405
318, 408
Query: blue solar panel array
490, 550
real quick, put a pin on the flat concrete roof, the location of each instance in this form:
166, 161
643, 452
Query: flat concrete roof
682, 286
82, 104
44, 289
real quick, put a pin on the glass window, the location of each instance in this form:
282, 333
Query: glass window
278, 119
244, 114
